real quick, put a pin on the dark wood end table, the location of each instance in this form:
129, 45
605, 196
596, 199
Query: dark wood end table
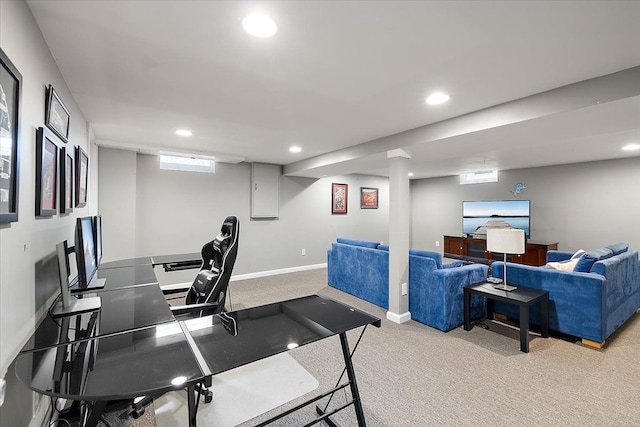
523, 297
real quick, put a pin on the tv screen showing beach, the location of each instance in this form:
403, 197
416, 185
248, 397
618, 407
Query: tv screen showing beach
478, 215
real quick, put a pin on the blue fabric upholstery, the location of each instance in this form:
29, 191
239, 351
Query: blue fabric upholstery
558, 256
435, 294
589, 258
586, 305
618, 248
357, 242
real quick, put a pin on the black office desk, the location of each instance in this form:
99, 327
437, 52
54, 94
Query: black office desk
169, 262
174, 355
131, 262
122, 310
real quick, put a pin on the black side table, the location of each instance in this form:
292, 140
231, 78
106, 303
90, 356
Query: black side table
522, 297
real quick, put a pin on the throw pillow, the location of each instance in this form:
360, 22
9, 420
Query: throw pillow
586, 261
618, 248
357, 242
563, 265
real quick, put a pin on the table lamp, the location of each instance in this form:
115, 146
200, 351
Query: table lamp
505, 241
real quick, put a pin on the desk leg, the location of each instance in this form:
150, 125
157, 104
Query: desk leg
352, 380
544, 321
191, 404
467, 308
95, 413
524, 328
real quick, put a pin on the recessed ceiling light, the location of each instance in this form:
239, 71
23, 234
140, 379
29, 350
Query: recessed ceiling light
184, 132
295, 149
631, 147
437, 98
259, 25
410, 174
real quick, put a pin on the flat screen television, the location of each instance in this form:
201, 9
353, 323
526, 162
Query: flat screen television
85, 251
477, 216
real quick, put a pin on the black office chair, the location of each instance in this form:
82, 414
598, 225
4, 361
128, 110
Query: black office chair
207, 294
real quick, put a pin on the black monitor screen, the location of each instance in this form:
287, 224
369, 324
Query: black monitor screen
85, 251
97, 229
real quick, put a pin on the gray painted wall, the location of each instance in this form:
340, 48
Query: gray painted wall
179, 211
26, 246
580, 206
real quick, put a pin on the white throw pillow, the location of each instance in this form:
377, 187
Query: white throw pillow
563, 265
578, 254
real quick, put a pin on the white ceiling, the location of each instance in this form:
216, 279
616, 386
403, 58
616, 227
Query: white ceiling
342, 73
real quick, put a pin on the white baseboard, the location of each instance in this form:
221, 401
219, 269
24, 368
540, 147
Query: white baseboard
276, 272
399, 318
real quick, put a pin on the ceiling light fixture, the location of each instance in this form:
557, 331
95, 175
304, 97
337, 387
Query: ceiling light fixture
259, 25
295, 149
437, 98
184, 132
631, 147
410, 173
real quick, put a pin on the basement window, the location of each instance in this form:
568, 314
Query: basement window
188, 164
478, 177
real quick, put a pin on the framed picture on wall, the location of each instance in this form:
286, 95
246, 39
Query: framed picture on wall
46, 173
82, 177
368, 198
339, 198
56, 115
66, 181
10, 91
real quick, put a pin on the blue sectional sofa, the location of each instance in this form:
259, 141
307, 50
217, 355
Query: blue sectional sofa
361, 268
590, 302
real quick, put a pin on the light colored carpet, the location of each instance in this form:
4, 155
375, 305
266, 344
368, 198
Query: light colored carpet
241, 394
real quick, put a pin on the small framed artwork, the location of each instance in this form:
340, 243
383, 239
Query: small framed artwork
368, 198
339, 198
56, 115
10, 91
82, 177
66, 181
46, 173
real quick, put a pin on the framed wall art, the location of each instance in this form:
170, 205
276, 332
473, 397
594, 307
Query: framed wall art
66, 181
82, 177
10, 92
56, 115
368, 198
46, 173
339, 198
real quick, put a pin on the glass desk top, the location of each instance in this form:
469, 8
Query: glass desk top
122, 310
131, 262
195, 257
233, 339
124, 277
145, 362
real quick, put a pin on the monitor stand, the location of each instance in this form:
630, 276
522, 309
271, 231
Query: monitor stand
95, 283
76, 306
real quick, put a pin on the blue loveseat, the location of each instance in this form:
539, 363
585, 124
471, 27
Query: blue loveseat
590, 302
361, 268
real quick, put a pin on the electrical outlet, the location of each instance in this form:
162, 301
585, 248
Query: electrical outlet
404, 289
304, 252
437, 243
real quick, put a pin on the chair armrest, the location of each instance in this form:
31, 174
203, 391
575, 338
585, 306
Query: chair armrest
178, 310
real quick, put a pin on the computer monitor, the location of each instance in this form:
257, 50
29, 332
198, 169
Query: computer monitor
68, 304
97, 237
85, 251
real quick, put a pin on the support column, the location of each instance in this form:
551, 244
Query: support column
398, 236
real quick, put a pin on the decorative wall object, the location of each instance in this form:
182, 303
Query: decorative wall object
82, 177
368, 198
10, 99
66, 181
517, 189
339, 198
46, 173
56, 115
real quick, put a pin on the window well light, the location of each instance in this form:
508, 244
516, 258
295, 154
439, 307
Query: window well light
295, 149
259, 25
187, 163
184, 132
631, 147
437, 98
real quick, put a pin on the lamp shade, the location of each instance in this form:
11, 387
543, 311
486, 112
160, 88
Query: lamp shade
506, 240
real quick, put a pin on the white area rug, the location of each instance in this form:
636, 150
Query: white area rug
240, 394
